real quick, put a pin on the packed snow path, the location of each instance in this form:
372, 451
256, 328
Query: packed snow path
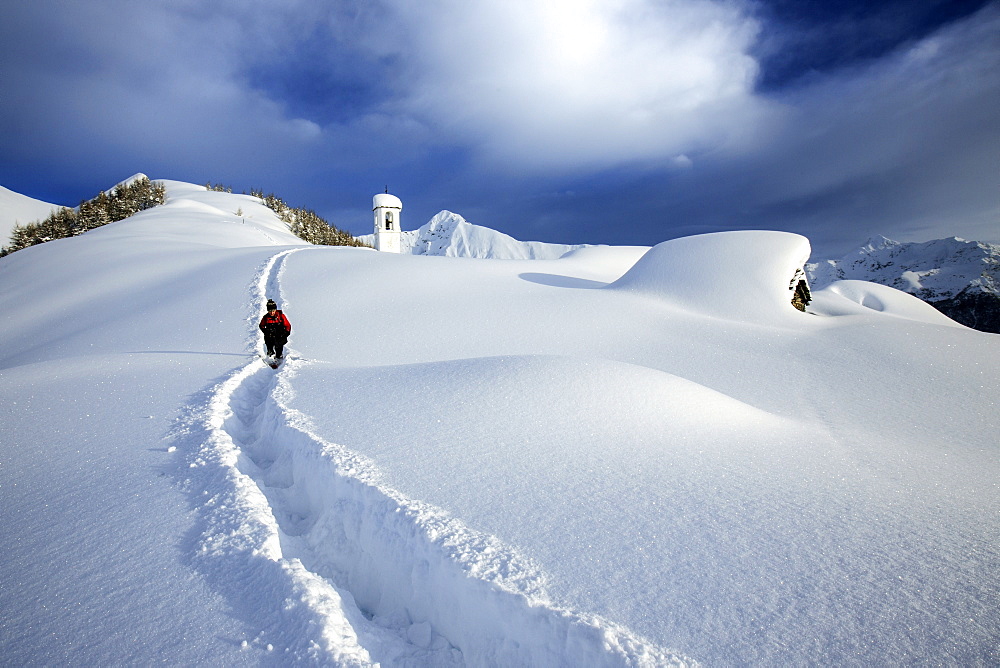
303, 525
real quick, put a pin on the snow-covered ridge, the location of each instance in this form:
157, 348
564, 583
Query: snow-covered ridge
449, 234
932, 270
17, 209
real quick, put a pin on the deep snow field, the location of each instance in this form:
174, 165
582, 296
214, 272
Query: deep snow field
625, 456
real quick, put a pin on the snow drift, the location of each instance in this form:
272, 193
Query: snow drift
696, 273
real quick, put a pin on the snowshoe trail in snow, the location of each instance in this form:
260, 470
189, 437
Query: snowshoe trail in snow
266, 285
291, 526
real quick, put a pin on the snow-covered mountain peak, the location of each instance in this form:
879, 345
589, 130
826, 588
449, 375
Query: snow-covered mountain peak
449, 234
441, 228
877, 243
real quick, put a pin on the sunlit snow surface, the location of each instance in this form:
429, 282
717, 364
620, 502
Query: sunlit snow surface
19, 209
614, 457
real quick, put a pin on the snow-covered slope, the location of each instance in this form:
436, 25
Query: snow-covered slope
961, 278
617, 457
19, 209
138, 176
448, 234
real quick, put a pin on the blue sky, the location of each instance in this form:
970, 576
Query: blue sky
572, 121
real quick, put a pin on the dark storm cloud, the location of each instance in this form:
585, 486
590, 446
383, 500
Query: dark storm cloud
115, 87
179, 90
802, 39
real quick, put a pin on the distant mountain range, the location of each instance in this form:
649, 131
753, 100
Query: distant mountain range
960, 278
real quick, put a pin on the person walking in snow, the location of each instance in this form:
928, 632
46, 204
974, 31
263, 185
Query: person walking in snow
276, 329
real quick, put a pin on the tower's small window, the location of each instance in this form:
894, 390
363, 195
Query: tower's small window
388, 220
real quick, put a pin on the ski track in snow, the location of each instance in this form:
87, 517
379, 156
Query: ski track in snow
291, 528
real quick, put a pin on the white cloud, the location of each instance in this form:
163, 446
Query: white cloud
907, 146
578, 83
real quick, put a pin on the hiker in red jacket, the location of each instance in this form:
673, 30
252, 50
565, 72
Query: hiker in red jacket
276, 329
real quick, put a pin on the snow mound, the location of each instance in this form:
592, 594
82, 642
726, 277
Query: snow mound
738, 275
862, 297
608, 258
563, 391
411, 567
590, 267
471, 588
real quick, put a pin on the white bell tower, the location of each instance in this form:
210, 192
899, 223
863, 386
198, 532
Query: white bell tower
387, 210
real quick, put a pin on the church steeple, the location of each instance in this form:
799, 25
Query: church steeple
387, 209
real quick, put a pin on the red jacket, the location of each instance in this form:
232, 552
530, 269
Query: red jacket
275, 325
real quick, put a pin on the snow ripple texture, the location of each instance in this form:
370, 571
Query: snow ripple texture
335, 567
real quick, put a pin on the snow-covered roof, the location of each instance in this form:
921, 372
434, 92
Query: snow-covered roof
387, 200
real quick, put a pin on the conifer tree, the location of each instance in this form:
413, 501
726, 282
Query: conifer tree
306, 224
93, 213
60, 225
